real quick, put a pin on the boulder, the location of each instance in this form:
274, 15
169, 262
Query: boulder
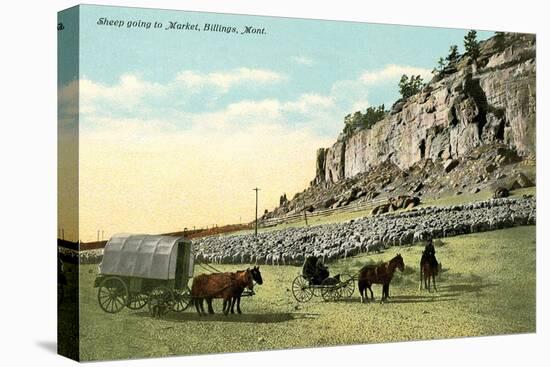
450, 164
501, 192
381, 209
490, 168
521, 181
328, 203
418, 187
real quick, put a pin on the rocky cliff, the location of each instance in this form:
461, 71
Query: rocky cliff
467, 106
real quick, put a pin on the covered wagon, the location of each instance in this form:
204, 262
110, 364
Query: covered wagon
140, 270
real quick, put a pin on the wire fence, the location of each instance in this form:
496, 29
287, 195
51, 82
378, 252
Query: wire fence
302, 215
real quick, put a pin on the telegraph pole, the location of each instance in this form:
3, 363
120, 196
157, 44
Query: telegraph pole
256, 227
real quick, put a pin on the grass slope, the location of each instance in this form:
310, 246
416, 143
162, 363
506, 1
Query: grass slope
346, 216
487, 287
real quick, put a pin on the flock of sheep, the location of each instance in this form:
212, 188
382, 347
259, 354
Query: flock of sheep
333, 241
290, 246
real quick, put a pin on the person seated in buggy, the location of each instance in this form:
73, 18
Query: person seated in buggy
314, 270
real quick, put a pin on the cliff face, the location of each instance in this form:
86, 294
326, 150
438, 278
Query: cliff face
490, 102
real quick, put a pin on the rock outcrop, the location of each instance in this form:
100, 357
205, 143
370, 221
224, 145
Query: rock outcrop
491, 101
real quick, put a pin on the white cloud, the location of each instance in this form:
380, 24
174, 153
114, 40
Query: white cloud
309, 103
127, 93
302, 60
246, 112
224, 80
392, 72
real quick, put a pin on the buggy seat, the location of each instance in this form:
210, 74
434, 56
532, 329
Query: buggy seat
314, 270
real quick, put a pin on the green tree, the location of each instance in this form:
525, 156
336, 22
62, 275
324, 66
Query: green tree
453, 55
410, 86
359, 120
471, 45
440, 66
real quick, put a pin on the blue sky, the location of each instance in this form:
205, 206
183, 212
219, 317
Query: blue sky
311, 57
177, 127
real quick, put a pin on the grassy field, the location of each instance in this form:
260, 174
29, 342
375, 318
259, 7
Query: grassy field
487, 287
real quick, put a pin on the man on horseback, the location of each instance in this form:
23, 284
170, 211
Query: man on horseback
429, 267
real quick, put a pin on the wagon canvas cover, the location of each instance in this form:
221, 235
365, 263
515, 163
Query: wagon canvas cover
142, 256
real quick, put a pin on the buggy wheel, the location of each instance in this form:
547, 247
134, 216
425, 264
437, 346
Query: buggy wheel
330, 290
301, 290
347, 285
316, 290
112, 294
137, 301
182, 299
161, 300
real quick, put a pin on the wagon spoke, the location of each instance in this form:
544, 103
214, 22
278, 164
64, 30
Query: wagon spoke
137, 301
109, 304
301, 289
112, 294
182, 298
347, 285
161, 300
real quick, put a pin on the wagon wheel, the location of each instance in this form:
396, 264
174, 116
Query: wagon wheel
330, 289
137, 301
301, 289
112, 294
161, 300
347, 285
182, 299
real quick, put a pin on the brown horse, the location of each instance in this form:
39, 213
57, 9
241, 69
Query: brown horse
256, 277
429, 268
236, 300
220, 285
378, 274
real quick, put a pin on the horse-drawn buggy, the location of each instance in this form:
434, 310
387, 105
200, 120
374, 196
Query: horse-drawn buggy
140, 270
315, 280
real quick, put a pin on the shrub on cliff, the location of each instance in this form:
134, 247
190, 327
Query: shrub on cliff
360, 121
453, 55
410, 86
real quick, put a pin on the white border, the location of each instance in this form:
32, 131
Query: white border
28, 180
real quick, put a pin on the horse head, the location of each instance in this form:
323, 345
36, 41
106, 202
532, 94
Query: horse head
256, 275
398, 261
248, 280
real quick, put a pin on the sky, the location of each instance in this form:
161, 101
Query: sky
176, 127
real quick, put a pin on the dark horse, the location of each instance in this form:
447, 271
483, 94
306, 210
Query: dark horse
228, 286
378, 274
429, 267
256, 277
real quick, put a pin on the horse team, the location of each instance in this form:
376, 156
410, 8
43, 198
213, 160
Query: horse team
227, 286
230, 286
